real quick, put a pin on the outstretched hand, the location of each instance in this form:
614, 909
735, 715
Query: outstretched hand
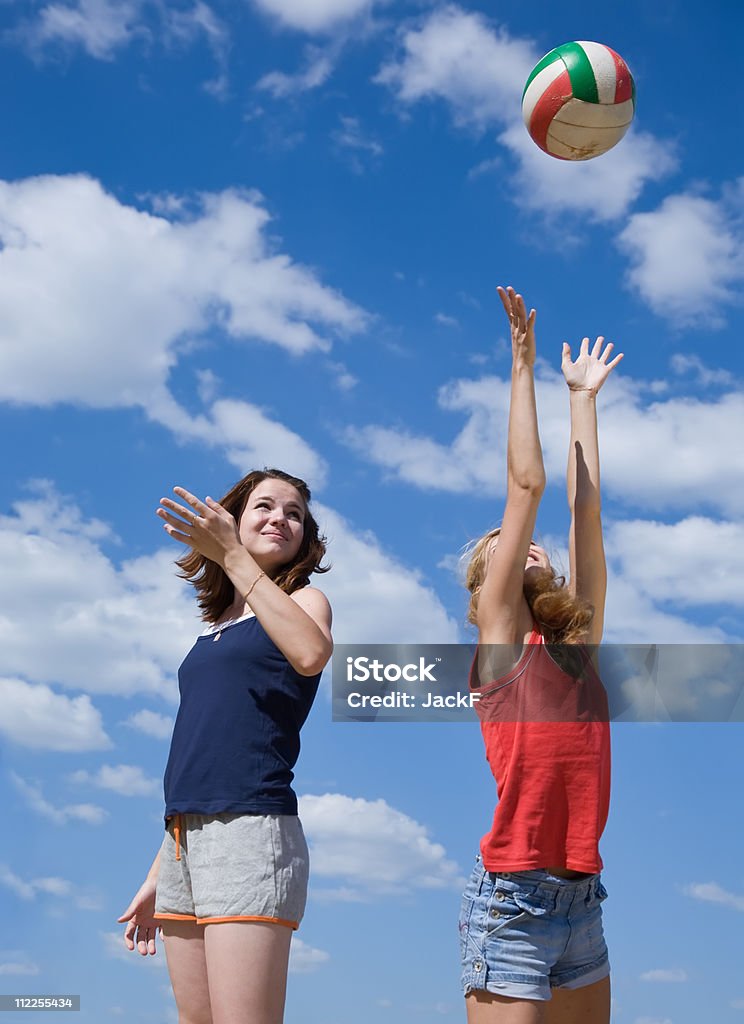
522, 326
206, 526
589, 370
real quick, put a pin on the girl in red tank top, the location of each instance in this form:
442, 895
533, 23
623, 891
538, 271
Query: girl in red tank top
530, 923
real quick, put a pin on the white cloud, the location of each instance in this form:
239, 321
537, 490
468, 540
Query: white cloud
19, 969
694, 562
124, 779
375, 598
369, 848
457, 56
689, 446
653, 1020
602, 189
107, 630
313, 16
29, 890
711, 892
99, 317
16, 962
317, 70
343, 379
38, 718
687, 258
151, 723
479, 70
357, 146
100, 27
303, 959
184, 27
701, 435
632, 618
60, 814
672, 974
247, 436
446, 321
704, 375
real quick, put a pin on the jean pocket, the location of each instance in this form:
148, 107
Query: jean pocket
597, 895
507, 906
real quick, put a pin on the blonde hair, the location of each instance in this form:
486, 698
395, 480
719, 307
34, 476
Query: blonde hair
561, 617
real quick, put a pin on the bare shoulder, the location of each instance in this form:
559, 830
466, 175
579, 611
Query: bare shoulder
314, 602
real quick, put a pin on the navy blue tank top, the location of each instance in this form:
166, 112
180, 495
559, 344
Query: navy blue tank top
237, 733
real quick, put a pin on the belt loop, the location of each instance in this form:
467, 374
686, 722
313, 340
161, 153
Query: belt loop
177, 835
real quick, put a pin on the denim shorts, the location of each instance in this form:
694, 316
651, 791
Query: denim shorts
525, 932
233, 867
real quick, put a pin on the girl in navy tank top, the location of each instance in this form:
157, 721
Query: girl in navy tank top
530, 921
229, 883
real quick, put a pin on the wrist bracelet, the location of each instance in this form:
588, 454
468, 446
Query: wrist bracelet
249, 591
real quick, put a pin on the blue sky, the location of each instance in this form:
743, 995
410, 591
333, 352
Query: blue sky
269, 232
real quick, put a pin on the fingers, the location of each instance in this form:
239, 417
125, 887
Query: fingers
187, 517
599, 351
191, 499
146, 941
505, 300
515, 308
129, 931
175, 521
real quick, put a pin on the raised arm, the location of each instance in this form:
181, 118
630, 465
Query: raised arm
501, 603
586, 555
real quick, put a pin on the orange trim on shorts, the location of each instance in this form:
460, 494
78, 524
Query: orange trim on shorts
175, 917
249, 917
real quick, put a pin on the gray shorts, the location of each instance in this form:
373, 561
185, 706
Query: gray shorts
233, 867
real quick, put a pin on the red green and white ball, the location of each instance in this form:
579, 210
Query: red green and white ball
579, 101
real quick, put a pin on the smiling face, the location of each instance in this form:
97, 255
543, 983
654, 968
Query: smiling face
272, 525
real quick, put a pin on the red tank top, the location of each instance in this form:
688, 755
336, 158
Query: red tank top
547, 738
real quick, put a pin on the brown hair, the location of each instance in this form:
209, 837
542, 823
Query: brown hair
211, 582
561, 617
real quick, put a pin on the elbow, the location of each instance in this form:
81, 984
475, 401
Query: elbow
531, 485
314, 659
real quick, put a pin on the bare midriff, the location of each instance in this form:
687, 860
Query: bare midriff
566, 873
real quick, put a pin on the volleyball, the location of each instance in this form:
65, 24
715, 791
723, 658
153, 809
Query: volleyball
579, 101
